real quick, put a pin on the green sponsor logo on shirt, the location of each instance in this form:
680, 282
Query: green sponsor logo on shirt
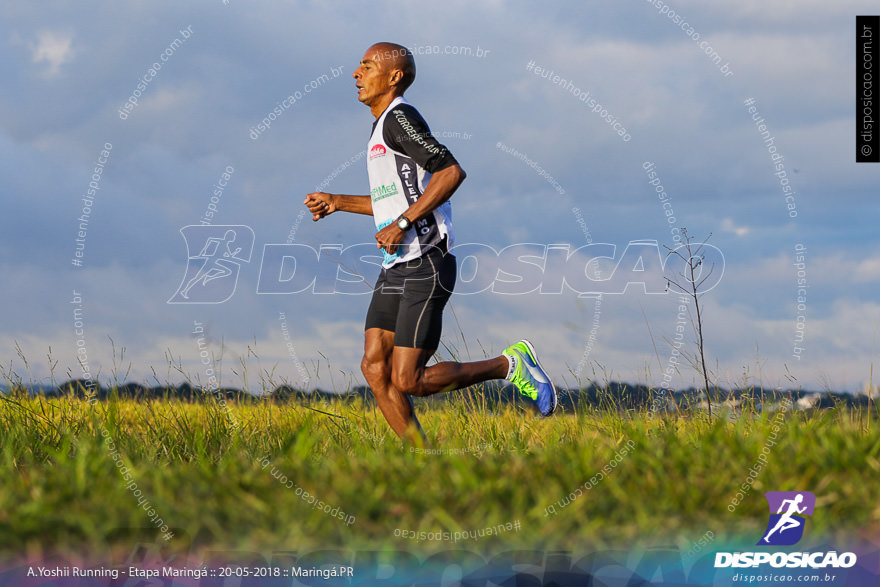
383, 191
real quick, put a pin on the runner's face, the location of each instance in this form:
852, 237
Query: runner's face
373, 77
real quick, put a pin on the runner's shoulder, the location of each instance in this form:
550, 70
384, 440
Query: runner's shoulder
405, 120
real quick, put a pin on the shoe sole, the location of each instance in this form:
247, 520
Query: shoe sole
550, 381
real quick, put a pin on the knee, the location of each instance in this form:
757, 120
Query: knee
406, 382
373, 369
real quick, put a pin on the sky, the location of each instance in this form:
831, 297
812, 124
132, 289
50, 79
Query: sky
596, 127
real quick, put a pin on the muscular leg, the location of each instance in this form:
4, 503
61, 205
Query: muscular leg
395, 373
410, 309
410, 375
396, 406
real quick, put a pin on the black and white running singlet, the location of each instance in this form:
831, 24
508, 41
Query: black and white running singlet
401, 156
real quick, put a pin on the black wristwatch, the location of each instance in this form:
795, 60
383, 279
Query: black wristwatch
403, 223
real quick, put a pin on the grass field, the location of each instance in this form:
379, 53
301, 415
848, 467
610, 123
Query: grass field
236, 477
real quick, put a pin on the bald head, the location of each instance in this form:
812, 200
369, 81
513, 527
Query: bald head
385, 72
390, 57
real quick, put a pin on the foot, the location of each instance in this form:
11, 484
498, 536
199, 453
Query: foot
530, 378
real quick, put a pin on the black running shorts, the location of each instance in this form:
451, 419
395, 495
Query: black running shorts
409, 298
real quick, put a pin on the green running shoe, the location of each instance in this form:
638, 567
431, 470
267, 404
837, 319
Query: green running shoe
530, 378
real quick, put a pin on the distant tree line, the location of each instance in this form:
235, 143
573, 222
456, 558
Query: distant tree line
613, 395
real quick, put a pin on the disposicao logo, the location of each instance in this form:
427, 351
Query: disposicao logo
786, 525
212, 274
785, 528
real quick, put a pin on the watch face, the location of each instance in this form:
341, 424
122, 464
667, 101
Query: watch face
403, 223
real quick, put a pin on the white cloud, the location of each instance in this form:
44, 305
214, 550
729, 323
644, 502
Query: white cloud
727, 225
54, 48
868, 270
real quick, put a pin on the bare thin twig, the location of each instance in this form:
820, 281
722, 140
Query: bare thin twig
694, 277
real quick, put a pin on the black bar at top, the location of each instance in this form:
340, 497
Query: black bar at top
867, 87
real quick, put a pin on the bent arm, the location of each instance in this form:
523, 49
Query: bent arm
321, 204
440, 188
354, 204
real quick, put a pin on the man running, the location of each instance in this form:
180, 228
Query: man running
412, 177
216, 263
787, 521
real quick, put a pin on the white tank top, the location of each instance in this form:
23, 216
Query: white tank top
397, 180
